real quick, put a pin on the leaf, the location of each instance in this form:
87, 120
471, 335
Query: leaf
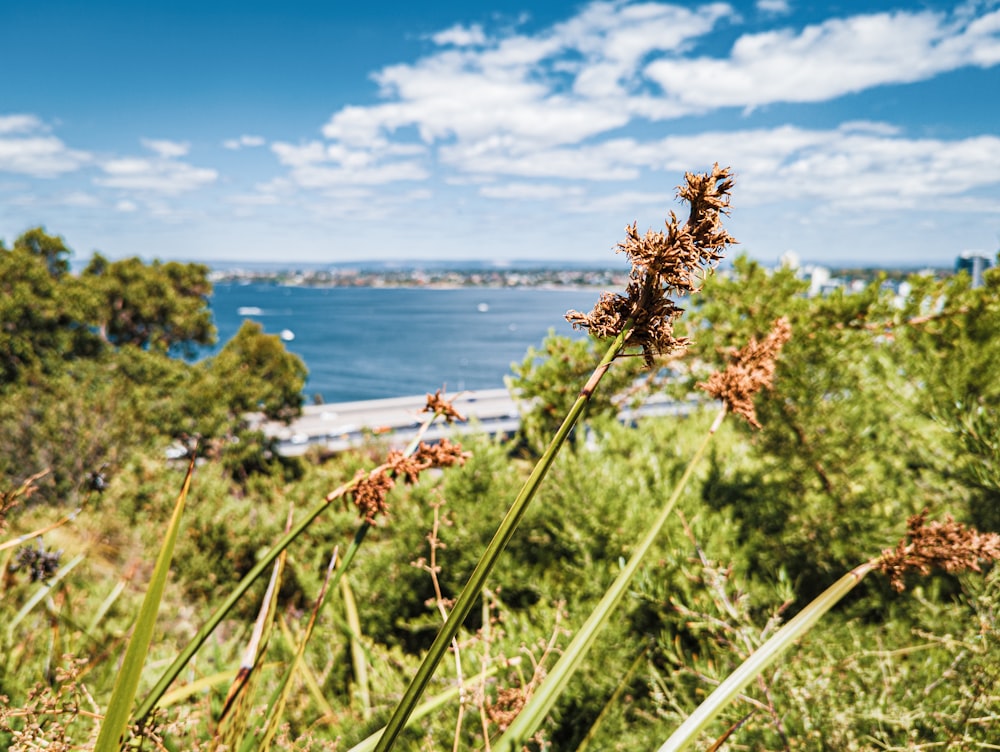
233, 721
280, 698
113, 729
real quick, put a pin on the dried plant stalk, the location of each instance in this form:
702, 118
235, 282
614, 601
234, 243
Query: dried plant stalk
668, 263
948, 545
750, 369
369, 489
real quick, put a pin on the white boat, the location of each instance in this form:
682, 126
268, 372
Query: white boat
287, 335
249, 310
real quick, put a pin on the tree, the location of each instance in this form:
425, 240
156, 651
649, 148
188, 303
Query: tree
51, 249
161, 306
254, 372
39, 324
843, 457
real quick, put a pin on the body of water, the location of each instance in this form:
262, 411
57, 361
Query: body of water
371, 343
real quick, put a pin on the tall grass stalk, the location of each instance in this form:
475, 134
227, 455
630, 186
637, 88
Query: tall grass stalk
765, 655
234, 719
534, 712
359, 657
280, 699
947, 545
21, 539
477, 580
431, 706
664, 264
172, 672
112, 734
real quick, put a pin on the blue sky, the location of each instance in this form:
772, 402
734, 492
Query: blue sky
332, 131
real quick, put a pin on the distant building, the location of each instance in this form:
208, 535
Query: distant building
790, 260
975, 263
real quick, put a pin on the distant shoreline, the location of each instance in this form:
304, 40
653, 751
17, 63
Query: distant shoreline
545, 279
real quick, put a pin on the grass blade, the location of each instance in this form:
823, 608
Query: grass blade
115, 725
106, 605
359, 659
431, 706
233, 721
534, 712
281, 697
213, 621
477, 580
752, 667
40, 594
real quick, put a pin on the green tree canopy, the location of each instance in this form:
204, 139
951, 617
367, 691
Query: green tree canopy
40, 325
51, 249
163, 306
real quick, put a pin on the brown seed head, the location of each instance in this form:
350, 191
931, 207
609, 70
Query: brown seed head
948, 545
750, 369
370, 489
667, 263
438, 405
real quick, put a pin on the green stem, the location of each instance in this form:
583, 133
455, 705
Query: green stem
762, 658
220, 613
473, 588
265, 561
531, 717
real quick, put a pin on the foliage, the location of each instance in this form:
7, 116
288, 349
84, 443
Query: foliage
162, 306
85, 377
884, 403
547, 382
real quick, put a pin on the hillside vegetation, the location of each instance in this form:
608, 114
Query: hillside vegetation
874, 428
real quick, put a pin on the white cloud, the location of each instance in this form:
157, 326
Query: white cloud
243, 141
561, 86
126, 206
255, 199
553, 104
857, 167
27, 149
80, 199
318, 165
163, 174
827, 60
511, 96
773, 6
20, 123
460, 36
167, 149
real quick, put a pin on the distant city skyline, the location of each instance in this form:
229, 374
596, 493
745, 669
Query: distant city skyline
315, 132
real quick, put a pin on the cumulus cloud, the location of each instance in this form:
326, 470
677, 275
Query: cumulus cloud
560, 86
80, 199
530, 191
19, 123
773, 6
27, 148
167, 149
162, 174
553, 104
318, 165
824, 61
244, 141
460, 36
856, 166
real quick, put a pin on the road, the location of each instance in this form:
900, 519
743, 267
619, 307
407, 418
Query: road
336, 427
340, 426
